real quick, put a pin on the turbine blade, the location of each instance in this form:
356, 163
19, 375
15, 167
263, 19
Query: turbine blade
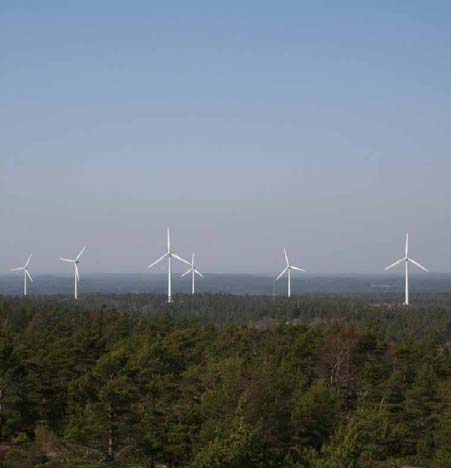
286, 256
67, 260
199, 273
394, 264
192, 260
297, 268
80, 254
76, 272
282, 273
28, 261
407, 244
17, 269
180, 259
411, 260
29, 276
187, 272
157, 261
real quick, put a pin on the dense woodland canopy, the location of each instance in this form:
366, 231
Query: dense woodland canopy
222, 381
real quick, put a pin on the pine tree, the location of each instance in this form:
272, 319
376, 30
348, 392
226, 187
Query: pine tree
102, 415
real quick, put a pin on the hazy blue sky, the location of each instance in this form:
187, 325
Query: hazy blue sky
321, 126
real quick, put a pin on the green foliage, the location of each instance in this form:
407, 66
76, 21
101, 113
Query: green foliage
311, 383
361, 442
240, 445
101, 404
17, 407
314, 415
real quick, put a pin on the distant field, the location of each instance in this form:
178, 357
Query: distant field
372, 287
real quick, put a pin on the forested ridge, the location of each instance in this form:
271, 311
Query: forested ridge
222, 381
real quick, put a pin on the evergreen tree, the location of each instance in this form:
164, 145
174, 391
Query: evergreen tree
101, 416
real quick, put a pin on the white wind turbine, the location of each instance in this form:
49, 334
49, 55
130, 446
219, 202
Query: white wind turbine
26, 274
169, 255
288, 269
75, 262
193, 272
406, 259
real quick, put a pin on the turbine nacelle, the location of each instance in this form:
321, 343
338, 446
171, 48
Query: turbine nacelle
193, 272
75, 262
169, 255
288, 269
406, 260
26, 274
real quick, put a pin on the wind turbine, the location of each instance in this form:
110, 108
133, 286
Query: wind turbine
75, 262
26, 274
193, 272
406, 259
169, 255
288, 269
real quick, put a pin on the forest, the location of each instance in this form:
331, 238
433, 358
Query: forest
219, 381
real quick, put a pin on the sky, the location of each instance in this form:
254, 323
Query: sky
247, 126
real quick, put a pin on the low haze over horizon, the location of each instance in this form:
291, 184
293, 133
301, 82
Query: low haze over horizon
322, 127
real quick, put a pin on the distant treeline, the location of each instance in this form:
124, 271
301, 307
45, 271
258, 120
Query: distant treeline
220, 381
428, 315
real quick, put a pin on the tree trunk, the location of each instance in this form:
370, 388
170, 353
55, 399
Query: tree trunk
1, 415
110, 444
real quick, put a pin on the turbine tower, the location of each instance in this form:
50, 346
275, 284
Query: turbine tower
288, 269
169, 255
406, 259
26, 274
75, 262
193, 272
